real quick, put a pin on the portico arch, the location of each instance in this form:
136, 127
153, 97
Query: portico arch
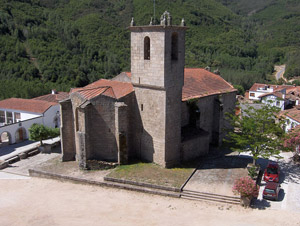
5, 138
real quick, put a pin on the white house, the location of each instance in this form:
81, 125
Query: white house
292, 117
17, 115
282, 96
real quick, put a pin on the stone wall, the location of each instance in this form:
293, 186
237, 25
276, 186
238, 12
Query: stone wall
67, 131
158, 85
195, 147
101, 129
212, 114
151, 133
229, 104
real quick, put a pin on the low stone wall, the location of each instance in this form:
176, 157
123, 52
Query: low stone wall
195, 147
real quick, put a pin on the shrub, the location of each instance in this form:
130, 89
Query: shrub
39, 132
246, 187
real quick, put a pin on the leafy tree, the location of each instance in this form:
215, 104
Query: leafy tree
258, 131
39, 132
292, 140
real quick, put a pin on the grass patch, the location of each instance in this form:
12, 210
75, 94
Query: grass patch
152, 174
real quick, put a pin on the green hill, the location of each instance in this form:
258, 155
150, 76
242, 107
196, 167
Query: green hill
60, 44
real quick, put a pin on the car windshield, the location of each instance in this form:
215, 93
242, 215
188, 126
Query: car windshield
270, 191
272, 170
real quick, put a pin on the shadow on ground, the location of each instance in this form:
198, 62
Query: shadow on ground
12, 147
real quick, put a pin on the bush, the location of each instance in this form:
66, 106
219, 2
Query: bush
39, 132
246, 187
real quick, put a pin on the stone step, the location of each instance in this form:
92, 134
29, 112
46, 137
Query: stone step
155, 191
195, 195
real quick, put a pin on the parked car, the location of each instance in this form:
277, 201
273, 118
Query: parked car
272, 172
271, 191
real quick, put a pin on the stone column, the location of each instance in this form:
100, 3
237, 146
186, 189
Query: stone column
67, 131
121, 125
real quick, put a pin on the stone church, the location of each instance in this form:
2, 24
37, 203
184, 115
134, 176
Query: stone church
159, 112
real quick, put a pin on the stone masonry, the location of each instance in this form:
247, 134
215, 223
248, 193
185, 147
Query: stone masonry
141, 114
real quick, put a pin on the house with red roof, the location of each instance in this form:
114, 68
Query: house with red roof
281, 96
17, 115
292, 117
158, 112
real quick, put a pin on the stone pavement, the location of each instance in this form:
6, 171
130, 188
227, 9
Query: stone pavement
9, 151
217, 175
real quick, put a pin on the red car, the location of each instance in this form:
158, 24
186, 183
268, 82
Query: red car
271, 191
272, 172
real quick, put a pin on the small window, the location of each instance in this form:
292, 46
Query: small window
147, 48
252, 94
142, 107
2, 117
9, 117
17, 117
174, 50
277, 103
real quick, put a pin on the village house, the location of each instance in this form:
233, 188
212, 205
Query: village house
281, 96
17, 115
159, 112
292, 117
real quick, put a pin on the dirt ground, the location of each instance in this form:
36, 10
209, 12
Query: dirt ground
39, 202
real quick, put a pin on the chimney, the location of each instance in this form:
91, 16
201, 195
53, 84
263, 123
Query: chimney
297, 102
54, 91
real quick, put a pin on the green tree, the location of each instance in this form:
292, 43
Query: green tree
39, 132
257, 131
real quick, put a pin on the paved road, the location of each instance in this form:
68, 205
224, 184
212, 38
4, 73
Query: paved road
280, 72
289, 196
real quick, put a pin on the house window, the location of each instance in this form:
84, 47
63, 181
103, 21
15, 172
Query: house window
147, 48
9, 117
2, 117
277, 103
252, 94
17, 117
142, 107
174, 50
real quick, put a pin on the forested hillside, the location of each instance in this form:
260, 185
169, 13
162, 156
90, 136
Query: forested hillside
46, 44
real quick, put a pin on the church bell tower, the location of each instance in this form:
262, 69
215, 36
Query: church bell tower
157, 69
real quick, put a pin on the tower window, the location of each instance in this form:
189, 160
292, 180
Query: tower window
147, 48
142, 107
174, 50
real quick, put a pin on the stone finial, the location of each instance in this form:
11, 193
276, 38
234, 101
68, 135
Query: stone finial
207, 68
182, 22
132, 23
163, 20
217, 72
151, 21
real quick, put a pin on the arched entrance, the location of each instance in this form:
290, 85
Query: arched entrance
20, 135
5, 139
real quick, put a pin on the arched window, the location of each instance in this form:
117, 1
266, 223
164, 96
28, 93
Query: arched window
147, 48
174, 50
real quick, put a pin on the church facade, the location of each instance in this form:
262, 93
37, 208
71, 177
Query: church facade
159, 112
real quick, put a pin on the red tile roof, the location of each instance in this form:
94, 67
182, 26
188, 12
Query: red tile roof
256, 86
28, 105
199, 82
53, 97
293, 113
114, 89
276, 94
